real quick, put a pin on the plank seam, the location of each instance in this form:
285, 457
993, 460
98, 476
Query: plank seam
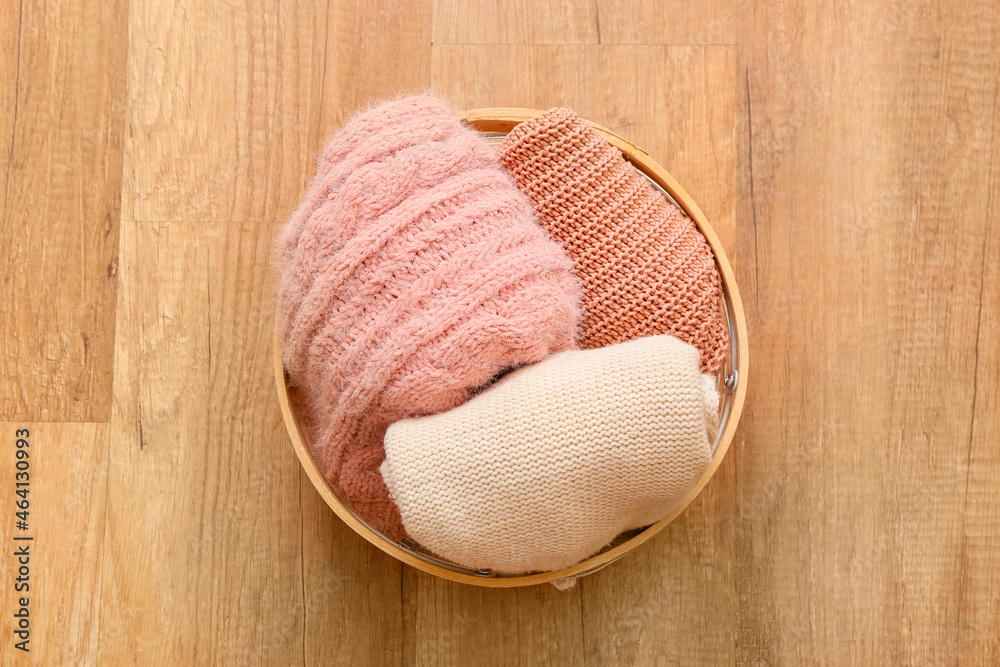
753, 199
17, 97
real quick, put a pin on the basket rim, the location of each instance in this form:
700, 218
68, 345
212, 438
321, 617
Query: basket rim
503, 119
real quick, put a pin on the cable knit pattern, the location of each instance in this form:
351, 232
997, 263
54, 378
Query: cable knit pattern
551, 463
411, 274
644, 266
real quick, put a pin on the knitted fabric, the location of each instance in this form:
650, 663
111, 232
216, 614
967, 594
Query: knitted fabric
412, 273
548, 465
644, 266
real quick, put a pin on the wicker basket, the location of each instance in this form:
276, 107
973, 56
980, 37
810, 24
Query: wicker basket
732, 384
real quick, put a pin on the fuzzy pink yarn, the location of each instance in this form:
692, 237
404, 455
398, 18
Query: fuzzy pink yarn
412, 273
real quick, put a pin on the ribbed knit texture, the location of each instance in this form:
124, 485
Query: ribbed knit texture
411, 274
644, 266
548, 465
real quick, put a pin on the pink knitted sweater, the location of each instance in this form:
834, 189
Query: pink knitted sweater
412, 273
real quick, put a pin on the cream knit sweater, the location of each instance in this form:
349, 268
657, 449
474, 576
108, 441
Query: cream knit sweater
551, 463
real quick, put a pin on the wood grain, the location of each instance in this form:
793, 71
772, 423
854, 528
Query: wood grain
223, 106
517, 22
874, 167
63, 86
353, 592
202, 561
586, 22
229, 103
374, 52
979, 590
10, 34
847, 154
655, 22
450, 624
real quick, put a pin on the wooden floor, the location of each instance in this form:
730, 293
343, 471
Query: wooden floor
848, 154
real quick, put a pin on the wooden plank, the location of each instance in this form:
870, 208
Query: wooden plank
602, 22
10, 38
874, 152
67, 469
224, 100
451, 624
203, 552
517, 22
653, 22
353, 592
375, 52
673, 599
63, 87
229, 105
979, 589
